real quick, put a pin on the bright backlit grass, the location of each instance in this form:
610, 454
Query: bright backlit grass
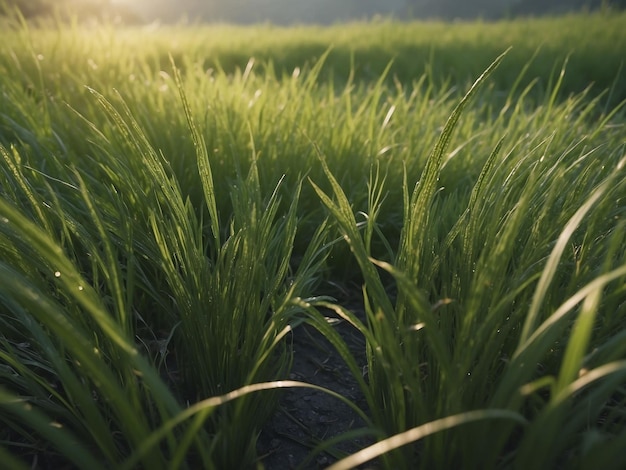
170, 208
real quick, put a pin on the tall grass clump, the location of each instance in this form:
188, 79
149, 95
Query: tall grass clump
124, 300
497, 317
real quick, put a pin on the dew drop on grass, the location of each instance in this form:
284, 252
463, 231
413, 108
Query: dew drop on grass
57, 274
80, 288
4, 220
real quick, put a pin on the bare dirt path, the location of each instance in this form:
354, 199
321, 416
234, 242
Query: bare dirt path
305, 417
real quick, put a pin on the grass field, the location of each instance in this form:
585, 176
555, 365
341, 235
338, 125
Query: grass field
175, 201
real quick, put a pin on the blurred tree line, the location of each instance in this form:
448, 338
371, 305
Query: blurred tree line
492, 9
538, 7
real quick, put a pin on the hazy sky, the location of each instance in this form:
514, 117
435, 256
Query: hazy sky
279, 11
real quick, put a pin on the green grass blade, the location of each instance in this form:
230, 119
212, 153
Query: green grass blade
559, 421
202, 158
420, 432
342, 212
553, 261
416, 219
113, 271
420, 304
606, 454
64, 441
579, 341
523, 364
207, 406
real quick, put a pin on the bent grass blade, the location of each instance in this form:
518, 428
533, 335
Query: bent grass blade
420, 432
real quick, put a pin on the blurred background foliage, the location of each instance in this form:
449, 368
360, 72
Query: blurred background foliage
297, 11
70, 9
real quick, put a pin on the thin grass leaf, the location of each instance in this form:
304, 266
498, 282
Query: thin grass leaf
413, 235
344, 216
579, 340
208, 406
420, 432
607, 455
328, 445
557, 86
202, 158
560, 421
76, 394
321, 324
15, 166
78, 342
64, 440
553, 261
113, 272
420, 305
529, 354
10, 461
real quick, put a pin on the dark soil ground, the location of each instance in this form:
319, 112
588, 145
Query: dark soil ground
305, 417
